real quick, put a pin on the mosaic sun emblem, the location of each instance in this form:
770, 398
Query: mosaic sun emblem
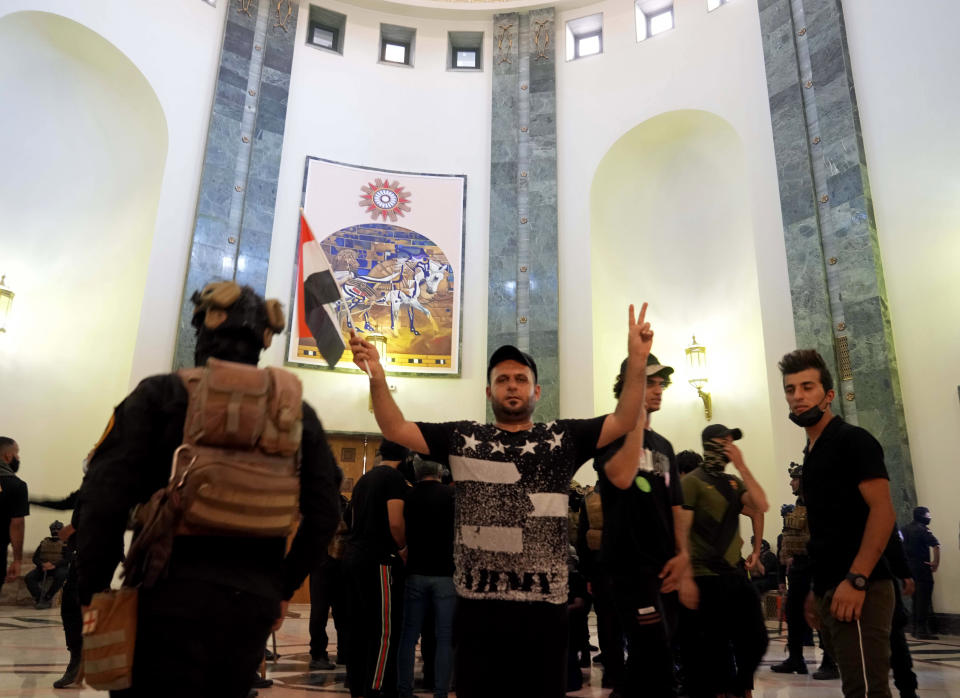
384, 199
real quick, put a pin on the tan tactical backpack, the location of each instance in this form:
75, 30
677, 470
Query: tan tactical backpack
594, 506
237, 471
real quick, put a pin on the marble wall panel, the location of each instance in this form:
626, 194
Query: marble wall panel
836, 277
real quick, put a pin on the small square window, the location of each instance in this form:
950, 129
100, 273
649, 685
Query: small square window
585, 36
394, 53
464, 51
661, 22
396, 44
467, 58
653, 17
325, 37
588, 45
325, 29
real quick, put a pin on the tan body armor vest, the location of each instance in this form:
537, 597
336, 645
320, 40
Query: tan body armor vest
51, 550
594, 506
796, 534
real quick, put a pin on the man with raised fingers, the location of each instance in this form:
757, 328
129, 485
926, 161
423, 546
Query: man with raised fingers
511, 479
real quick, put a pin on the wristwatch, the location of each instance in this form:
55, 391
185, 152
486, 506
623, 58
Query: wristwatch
857, 581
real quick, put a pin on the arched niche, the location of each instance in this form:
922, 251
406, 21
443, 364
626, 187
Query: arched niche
670, 224
84, 143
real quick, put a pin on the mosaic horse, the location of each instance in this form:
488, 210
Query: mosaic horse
427, 275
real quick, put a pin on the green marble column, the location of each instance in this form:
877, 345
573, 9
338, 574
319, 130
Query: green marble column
836, 275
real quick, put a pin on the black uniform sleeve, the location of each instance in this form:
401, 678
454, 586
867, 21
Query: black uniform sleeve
438, 436
930, 540
129, 465
320, 480
18, 498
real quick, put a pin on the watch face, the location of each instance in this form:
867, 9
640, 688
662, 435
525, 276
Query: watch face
860, 582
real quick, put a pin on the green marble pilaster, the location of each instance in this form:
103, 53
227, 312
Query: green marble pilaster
836, 275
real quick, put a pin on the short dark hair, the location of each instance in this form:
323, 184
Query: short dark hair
618, 384
5, 443
688, 461
802, 359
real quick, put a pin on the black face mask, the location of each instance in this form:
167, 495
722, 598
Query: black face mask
15, 464
807, 418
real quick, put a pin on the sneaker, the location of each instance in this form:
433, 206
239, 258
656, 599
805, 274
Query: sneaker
322, 664
827, 672
73, 674
262, 683
790, 666
270, 656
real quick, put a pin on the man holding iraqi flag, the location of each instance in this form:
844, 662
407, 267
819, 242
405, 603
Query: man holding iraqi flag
316, 314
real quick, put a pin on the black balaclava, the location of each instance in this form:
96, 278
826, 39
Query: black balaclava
922, 515
233, 323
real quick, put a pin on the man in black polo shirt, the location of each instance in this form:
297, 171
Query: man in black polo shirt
850, 515
644, 544
511, 479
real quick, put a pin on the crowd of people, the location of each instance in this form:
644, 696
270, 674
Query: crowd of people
486, 573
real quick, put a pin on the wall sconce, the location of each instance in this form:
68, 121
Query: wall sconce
6, 302
379, 341
697, 366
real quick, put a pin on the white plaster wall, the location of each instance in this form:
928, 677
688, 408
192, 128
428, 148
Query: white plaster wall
909, 101
79, 187
176, 46
352, 109
711, 62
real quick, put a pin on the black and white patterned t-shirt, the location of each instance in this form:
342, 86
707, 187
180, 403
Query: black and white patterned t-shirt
511, 503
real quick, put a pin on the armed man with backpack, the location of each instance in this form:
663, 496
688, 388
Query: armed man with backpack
223, 460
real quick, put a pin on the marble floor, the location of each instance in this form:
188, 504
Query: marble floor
32, 658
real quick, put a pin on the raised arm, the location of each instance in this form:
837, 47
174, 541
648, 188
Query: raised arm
390, 419
755, 497
629, 410
622, 467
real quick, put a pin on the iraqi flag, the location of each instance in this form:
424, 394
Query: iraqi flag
318, 293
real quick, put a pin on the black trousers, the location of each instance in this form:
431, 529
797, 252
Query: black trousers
198, 640
725, 639
799, 633
44, 584
609, 630
375, 602
70, 613
922, 604
510, 649
327, 594
900, 660
643, 617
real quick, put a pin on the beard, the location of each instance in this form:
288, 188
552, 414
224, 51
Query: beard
505, 413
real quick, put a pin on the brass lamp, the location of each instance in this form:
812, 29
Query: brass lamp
6, 303
698, 378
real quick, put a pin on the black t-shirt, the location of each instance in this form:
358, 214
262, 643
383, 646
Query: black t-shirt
842, 458
370, 536
917, 541
14, 503
638, 533
511, 536
428, 512
132, 462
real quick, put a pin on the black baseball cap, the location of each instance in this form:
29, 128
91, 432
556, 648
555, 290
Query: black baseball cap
655, 368
508, 352
718, 431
